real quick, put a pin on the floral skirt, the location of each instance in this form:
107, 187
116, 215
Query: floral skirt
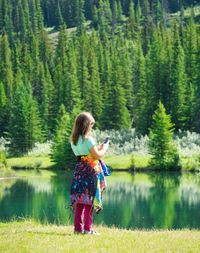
88, 182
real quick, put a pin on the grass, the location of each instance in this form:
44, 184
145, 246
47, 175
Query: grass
29, 236
125, 162
117, 162
33, 162
122, 162
27, 166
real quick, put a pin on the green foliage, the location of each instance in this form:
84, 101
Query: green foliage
24, 128
116, 114
6, 73
2, 159
177, 80
161, 146
3, 110
140, 92
61, 152
118, 66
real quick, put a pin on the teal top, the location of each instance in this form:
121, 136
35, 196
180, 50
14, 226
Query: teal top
83, 146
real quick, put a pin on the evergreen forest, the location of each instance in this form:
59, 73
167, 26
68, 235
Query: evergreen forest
114, 58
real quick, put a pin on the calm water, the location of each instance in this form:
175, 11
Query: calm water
142, 200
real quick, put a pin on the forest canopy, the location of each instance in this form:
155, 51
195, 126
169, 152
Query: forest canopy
114, 58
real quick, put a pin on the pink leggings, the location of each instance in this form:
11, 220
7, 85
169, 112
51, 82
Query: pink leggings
83, 214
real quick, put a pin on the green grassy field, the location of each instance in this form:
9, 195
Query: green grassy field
33, 162
124, 162
28, 236
121, 162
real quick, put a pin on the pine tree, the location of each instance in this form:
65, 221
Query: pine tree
147, 26
34, 18
60, 70
197, 93
50, 94
140, 92
1, 16
131, 22
161, 146
94, 17
59, 21
3, 111
114, 15
127, 75
156, 64
105, 72
24, 125
40, 21
177, 80
62, 48
104, 18
115, 114
20, 21
192, 73
157, 8
43, 98
72, 99
7, 20
94, 103
6, 73
27, 21
61, 151
119, 11
83, 72
138, 16
44, 49
79, 16
165, 59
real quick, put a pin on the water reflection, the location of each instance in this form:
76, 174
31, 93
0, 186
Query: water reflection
141, 200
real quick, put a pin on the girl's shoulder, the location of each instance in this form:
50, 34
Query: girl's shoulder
90, 140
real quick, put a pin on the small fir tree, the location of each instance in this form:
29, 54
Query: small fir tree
161, 146
61, 151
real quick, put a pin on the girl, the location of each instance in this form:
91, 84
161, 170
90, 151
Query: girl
88, 180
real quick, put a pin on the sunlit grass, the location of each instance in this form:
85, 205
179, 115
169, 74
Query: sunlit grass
129, 161
118, 161
30, 162
29, 236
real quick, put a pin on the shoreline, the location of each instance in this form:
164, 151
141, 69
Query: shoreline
114, 170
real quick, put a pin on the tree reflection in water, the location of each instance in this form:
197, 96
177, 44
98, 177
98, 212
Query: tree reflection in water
141, 200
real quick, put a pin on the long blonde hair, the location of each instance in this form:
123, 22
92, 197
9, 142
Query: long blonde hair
81, 126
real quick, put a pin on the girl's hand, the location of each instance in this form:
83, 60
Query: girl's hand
103, 146
100, 147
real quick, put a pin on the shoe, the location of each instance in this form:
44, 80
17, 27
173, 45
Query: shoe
91, 232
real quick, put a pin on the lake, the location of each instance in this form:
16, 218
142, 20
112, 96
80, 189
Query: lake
140, 200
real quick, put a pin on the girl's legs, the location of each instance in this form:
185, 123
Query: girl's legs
78, 218
88, 217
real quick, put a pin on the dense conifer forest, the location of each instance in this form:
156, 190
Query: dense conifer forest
115, 58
